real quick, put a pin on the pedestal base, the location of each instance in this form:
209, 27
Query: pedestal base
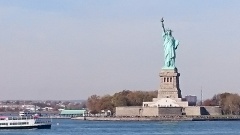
169, 94
166, 102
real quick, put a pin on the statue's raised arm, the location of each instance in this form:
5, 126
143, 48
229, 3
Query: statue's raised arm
163, 25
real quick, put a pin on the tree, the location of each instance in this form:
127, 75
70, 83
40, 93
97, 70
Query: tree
124, 98
229, 102
120, 100
207, 102
93, 104
106, 103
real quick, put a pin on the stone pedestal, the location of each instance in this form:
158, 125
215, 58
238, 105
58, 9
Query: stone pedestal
169, 84
169, 94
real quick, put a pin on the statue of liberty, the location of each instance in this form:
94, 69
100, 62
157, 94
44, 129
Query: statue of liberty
170, 45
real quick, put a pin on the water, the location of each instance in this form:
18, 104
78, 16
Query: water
76, 127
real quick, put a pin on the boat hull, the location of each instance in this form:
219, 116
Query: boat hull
45, 126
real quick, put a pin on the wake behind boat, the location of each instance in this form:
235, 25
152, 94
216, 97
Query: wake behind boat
24, 122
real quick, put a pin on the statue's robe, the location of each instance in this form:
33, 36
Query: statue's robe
170, 45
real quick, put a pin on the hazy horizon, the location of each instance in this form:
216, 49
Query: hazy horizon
70, 49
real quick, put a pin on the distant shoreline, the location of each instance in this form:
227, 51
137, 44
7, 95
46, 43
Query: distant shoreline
164, 118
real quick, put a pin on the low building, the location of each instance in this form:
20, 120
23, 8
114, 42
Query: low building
47, 109
192, 100
73, 113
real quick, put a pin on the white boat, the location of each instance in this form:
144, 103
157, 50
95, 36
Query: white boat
24, 122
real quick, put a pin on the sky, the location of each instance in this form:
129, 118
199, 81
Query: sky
72, 49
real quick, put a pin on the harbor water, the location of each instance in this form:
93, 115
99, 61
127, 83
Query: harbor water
78, 127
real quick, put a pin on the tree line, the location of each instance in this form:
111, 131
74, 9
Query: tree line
229, 103
97, 103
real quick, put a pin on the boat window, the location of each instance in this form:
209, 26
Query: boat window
19, 123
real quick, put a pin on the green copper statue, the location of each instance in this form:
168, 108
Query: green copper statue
170, 45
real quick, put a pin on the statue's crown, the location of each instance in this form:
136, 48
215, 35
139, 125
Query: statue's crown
169, 30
